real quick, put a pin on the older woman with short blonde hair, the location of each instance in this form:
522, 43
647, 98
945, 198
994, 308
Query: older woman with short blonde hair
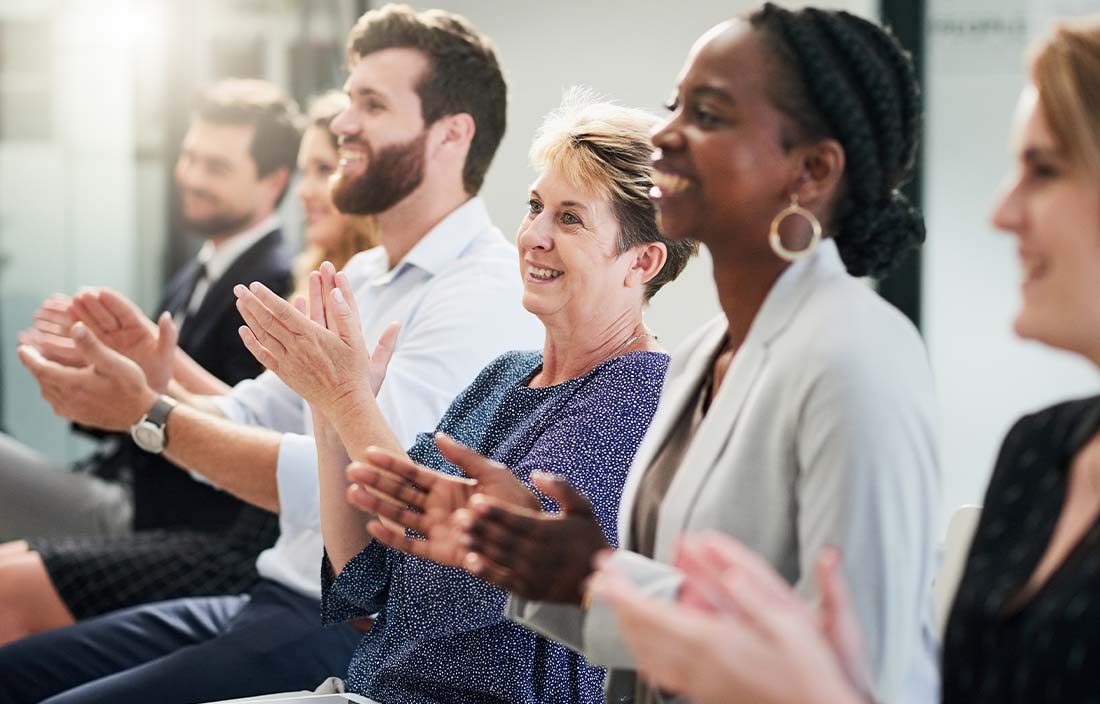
591, 256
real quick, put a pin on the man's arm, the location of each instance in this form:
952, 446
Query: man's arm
112, 393
237, 458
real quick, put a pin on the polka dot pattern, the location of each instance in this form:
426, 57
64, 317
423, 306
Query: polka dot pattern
1047, 649
441, 634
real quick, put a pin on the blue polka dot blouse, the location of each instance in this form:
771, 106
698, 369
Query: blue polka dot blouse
441, 634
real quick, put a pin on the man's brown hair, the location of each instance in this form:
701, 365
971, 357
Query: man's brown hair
262, 105
463, 75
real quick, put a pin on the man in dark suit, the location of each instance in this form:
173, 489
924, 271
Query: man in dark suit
234, 168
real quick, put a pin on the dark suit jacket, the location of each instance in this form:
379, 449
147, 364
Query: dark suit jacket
165, 496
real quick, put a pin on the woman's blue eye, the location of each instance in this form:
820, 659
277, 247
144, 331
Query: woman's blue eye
534, 206
570, 219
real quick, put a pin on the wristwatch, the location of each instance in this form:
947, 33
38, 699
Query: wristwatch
150, 433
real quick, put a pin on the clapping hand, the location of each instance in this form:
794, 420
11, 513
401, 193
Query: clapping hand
315, 347
412, 497
109, 391
120, 325
49, 332
532, 553
740, 633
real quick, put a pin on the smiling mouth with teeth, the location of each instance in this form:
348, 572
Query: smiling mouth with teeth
347, 157
670, 184
543, 274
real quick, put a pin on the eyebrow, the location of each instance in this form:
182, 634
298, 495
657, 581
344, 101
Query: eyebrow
712, 92
1037, 152
365, 92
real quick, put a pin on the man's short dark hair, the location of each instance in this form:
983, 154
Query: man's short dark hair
463, 75
262, 105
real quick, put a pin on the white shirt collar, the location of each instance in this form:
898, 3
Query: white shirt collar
217, 260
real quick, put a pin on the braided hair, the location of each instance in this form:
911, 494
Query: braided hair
842, 77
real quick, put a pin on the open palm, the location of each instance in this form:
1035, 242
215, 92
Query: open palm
120, 325
432, 504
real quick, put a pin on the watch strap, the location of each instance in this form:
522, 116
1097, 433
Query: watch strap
158, 414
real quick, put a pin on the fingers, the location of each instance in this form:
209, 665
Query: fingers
399, 464
262, 354
397, 540
469, 461
316, 299
103, 359
401, 516
283, 312
267, 330
346, 321
51, 376
344, 285
125, 311
328, 282
56, 348
94, 314
482, 568
301, 304
387, 486
167, 338
570, 500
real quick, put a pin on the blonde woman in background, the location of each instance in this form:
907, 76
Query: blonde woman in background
330, 235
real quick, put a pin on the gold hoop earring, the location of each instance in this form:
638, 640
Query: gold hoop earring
777, 243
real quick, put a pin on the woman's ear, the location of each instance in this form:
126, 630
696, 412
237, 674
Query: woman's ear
647, 260
820, 172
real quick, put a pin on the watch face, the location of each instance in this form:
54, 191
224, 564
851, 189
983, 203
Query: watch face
148, 436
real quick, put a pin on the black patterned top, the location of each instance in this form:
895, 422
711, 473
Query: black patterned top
1047, 650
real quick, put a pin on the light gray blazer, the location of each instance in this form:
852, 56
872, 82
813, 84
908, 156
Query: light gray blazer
822, 433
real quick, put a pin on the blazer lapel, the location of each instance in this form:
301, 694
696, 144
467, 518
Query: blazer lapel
198, 325
677, 394
705, 452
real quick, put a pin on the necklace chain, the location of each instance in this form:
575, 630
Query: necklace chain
628, 343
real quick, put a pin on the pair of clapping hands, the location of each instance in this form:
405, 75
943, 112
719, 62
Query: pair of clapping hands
488, 522
97, 359
739, 632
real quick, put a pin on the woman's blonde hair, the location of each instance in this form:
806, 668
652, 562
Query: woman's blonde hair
605, 148
362, 231
1065, 69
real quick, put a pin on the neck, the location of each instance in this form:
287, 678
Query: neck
743, 282
221, 238
401, 227
573, 349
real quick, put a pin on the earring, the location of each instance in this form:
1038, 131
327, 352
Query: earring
777, 243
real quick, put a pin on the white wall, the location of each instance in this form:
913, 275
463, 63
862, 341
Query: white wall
67, 206
987, 378
627, 50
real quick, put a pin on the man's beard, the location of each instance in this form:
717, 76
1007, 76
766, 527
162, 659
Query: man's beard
392, 174
221, 224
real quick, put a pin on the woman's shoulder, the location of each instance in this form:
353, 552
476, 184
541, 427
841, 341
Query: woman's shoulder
1062, 427
509, 368
625, 380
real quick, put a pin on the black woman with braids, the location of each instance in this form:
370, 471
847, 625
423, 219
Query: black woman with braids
803, 416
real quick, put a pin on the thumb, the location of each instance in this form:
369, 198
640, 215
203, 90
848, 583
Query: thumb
97, 354
469, 461
383, 352
571, 501
167, 336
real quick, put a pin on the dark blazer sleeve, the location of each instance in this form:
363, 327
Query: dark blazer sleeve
164, 496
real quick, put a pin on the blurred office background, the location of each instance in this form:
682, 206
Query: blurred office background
94, 97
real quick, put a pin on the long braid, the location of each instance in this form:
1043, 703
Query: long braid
849, 75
